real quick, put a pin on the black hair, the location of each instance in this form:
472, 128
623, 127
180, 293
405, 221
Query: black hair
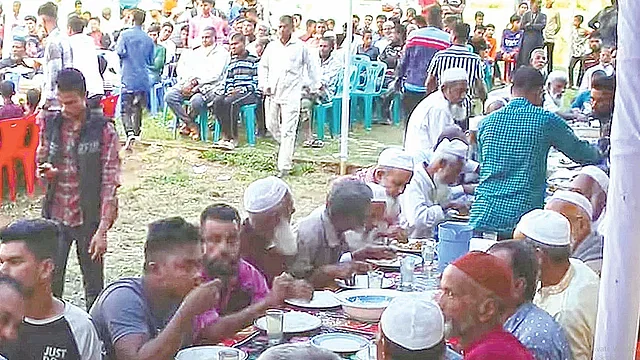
400, 10
39, 235
412, 10
212, 2
7, 89
369, 16
76, 24
321, 21
221, 212
478, 14
239, 37
490, 26
87, 13
527, 78
580, 18
479, 27
138, 16
184, 27
398, 352
212, 29
356, 17
78, 2
71, 79
604, 83
96, 19
381, 16
166, 234
33, 97
48, 9
349, 198
331, 40
515, 18
154, 28
421, 21
309, 21
332, 21
168, 24
30, 18
434, 16
556, 254
461, 32
524, 263
12, 283
299, 16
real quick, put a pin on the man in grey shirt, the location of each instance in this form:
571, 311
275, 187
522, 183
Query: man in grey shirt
321, 239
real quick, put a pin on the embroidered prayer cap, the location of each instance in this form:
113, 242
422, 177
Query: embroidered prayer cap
396, 158
263, 194
453, 74
546, 227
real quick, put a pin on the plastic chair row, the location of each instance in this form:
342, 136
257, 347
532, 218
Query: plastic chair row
18, 142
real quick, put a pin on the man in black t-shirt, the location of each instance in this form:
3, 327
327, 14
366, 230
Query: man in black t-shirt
51, 329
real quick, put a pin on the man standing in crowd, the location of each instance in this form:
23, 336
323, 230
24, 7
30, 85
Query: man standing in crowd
136, 51
240, 88
11, 309
533, 22
85, 56
551, 31
51, 327
152, 317
439, 110
420, 48
78, 157
513, 156
57, 53
475, 290
280, 78
100, 40
204, 20
267, 238
200, 74
568, 288
534, 327
245, 294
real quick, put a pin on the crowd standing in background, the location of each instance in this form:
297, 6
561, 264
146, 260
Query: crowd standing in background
467, 92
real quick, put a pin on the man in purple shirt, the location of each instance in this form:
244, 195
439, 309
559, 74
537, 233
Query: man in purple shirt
9, 110
245, 295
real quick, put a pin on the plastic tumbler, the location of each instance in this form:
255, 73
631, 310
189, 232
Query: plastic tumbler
275, 324
374, 279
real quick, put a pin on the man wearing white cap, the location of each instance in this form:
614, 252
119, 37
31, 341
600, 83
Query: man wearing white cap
427, 196
412, 327
586, 243
568, 288
593, 183
439, 110
266, 237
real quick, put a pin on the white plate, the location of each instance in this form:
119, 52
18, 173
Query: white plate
362, 282
340, 342
294, 322
206, 353
321, 300
394, 263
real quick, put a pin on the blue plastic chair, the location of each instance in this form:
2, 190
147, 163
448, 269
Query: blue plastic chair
202, 120
14, 78
337, 99
372, 89
320, 114
248, 115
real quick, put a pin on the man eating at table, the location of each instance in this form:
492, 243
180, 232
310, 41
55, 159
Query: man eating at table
593, 183
412, 327
321, 239
266, 237
245, 295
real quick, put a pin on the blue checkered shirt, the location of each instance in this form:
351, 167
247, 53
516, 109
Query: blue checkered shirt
513, 146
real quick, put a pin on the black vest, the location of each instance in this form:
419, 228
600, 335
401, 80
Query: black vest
88, 153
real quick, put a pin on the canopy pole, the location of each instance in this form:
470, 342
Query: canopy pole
346, 90
619, 300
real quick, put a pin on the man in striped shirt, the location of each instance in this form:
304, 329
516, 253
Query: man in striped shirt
460, 57
240, 88
421, 46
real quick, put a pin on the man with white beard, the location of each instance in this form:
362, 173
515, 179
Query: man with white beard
266, 236
437, 111
426, 198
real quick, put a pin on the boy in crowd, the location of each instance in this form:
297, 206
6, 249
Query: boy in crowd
511, 42
9, 110
579, 37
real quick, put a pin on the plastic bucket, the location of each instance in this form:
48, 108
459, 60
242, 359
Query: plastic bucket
454, 238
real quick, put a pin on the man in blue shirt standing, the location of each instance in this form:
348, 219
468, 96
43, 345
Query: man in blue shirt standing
136, 51
513, 146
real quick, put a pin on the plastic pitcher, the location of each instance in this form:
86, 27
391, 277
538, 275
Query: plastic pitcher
454, 238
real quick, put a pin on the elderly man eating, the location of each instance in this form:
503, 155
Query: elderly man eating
593, 183
534, 327
568, 288
586, 243
427, 196
437, 111
266, 237
321, 241
245, 295
475, 290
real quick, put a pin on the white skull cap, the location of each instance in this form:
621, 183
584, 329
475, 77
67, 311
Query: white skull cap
263, 194
413, 322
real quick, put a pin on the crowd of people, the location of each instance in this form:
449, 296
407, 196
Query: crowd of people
532, 295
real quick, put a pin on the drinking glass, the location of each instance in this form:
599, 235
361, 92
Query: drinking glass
374, 279
228, 355
490, 235
428, 249
407, 265
275, 324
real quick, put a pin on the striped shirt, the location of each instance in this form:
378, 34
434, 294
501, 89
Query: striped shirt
242, 74
457, 56
421, 46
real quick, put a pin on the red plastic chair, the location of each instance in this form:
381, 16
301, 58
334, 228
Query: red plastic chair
109, 104
14, 146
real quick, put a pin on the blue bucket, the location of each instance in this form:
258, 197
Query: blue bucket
454, 238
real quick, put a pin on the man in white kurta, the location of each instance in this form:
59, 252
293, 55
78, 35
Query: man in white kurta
436, 112
280, 77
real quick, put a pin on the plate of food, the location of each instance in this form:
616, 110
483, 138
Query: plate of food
320, 300
294, 322
414, 246
362, 282
394, 263
207, 352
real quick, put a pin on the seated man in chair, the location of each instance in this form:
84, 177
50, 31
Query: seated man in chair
200, 72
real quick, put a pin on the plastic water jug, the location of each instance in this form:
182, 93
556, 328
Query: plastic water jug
454, 238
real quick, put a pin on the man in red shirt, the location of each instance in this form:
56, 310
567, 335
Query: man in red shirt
475, 289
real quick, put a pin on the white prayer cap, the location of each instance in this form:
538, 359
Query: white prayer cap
598, 175
396, 158
262, 195
453, 74
574, 198
379, 192
546, 227
413, 322
453, 147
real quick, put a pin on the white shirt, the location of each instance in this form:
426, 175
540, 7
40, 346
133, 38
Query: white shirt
573, 302
205, 64
586, 79
382, 44
419, 206
282, 69
427, 122
171, 47
85, 58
